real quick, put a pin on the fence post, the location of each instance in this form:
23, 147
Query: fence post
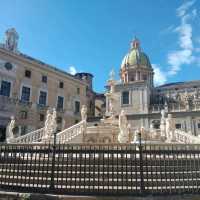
142, 188
52, 187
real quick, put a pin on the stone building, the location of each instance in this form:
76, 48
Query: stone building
28, 87
100, 105
142, 102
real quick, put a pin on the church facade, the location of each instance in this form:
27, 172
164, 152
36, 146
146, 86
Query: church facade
142, 102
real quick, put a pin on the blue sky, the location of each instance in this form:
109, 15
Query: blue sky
94, 35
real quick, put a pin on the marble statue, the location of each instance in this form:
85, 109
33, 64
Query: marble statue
129, 132
50, 124
111, 106
11, 39
163, 125
170, 128
136, 137
152, 131
47, 124
123, 136
53, 122
166, 107
9, 129
84, 113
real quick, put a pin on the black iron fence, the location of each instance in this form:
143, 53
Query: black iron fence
101, 169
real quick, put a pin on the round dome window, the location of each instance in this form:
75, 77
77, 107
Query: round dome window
8, 66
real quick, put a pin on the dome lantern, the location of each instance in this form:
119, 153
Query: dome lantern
135, 44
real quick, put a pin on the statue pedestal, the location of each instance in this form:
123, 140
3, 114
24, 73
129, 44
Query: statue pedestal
110, 120
123, 138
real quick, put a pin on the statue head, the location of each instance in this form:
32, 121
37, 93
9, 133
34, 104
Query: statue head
12, 117
137, 131
163, 113
142, 129
122, 112
48, 111
54, 112
169, 116
84, 107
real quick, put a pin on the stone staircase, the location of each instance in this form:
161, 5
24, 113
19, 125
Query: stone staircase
73, 134
102, 132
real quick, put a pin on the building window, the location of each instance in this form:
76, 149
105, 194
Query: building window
60, 102
23, 114
178, 126
5, 88
42, 98
25, 94
8, 66
198, 125
77, 106
28, 73
78, 90
144, 77
132, 78
59, 120
156, 126
41, 117
44, 79
125, 97
23, 130
61, 85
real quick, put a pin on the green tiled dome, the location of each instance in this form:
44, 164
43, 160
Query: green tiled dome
136, 57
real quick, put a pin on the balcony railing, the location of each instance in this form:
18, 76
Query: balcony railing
176, 107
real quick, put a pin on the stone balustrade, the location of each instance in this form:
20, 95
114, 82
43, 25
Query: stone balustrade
175, 107
186, 138
34, 136
68, 134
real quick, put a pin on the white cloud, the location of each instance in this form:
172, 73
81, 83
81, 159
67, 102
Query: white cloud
185, 36
181, 11
72, 70
167, 30
194, 13
160, 77
184, 55
178, 58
